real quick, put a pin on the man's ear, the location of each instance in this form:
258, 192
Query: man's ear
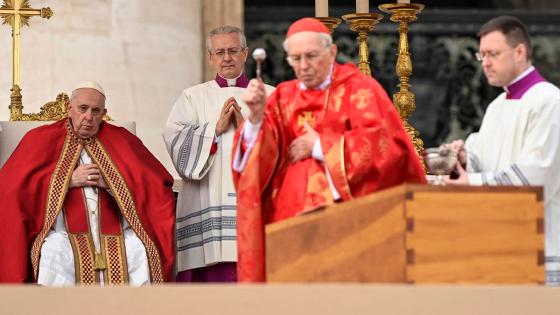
68, 107
334, 50
522, 51
246, 52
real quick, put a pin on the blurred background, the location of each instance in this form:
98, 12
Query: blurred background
451, 90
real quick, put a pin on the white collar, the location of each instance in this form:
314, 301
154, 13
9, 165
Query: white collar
519, 77
231, 82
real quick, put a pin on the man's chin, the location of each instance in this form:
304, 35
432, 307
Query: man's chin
85, 134
229, 73
495, 83
310, 84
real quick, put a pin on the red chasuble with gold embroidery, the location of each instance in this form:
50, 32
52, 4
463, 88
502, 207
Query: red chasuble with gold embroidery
365, 149
34, 186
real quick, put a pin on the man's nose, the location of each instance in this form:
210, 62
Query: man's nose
304, 64
88, 115
486, 61
227, 56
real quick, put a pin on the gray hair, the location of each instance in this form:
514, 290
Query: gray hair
327, 41
226, 29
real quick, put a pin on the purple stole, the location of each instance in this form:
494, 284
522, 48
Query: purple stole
515, 91
242, 81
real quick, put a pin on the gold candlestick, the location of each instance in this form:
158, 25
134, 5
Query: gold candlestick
330, 22
404, 13
17, 13
363, 23
16, 103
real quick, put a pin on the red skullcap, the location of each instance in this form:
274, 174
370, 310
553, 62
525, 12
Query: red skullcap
307, 25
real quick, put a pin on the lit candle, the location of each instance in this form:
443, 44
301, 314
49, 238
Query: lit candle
362, 6
403, 1
321, 8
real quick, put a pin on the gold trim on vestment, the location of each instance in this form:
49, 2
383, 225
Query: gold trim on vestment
58, 187
126, 204
56, 195
113, 249
84, 258
343, 168
111, 258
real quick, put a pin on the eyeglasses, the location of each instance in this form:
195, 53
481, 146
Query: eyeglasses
491, 54
232, 52
310, 57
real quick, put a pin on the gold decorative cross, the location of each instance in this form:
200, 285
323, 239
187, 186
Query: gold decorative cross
17, 13
306, 117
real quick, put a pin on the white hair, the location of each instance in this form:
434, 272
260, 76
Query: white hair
326, 38
226, 29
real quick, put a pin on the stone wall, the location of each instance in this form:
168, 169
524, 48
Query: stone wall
142, 52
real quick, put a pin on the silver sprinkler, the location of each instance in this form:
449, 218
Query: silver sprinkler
259, 54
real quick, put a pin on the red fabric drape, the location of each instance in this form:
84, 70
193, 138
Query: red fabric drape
364, 144
24, 184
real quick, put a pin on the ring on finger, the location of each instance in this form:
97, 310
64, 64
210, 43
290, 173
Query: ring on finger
89, 177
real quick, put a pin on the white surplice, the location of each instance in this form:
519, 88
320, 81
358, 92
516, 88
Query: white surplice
207, 202
519, 144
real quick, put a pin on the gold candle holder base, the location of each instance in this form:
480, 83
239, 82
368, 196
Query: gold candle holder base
330, 22
363, 23
404, 100
16, 104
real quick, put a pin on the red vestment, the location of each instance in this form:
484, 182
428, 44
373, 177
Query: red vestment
365, 149
34, 182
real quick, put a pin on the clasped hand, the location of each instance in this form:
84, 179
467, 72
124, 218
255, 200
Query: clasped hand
87, 175
230, 114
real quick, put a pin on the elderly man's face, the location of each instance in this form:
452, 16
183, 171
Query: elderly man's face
310, 58
227, 56
86, 110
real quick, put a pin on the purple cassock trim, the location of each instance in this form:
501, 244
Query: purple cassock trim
242, 81
517, 89
222, 272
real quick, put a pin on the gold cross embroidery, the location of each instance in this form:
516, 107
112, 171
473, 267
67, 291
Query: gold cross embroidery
306, 117
361, 98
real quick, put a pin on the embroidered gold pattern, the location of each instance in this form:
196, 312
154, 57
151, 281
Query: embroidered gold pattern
306, 117
383, 142
337, 97
57, 193
84, 259
318, 191
344, 176
117, 270
363, 155
360, 98
55, 197
126, 203
334, 159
